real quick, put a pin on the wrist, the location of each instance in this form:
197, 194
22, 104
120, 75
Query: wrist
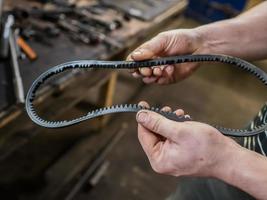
225, 162
245, 170
221, 38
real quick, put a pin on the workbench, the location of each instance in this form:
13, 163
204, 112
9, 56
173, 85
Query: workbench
51, 162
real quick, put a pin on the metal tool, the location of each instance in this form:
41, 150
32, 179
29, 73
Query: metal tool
95, 35
31, 54
259, 73
19, 48
74, 31
18, 85
107, 25
6, 35
48, 28
1, 11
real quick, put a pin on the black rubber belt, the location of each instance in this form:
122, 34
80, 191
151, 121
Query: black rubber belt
95, 64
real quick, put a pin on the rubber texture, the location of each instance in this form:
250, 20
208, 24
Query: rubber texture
95, 64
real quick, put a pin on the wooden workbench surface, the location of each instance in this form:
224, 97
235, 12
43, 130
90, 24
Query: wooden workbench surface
27, 151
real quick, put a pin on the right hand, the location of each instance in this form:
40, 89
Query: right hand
184, 148
175, 42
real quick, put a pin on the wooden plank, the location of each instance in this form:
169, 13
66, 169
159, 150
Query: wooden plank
74, 161
60, 106
133, 32
110, 95
133, 37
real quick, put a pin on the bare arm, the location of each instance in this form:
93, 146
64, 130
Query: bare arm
192, 148
244, 36
246, 170
197, 149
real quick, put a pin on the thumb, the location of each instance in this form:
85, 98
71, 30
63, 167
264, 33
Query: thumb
150, 49
158, 124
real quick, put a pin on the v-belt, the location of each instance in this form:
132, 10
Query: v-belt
95, 64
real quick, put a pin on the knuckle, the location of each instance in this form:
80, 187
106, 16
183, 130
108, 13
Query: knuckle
163, 34
155, 123
162, 37
181, 133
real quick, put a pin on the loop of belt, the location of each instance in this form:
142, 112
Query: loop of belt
95, 64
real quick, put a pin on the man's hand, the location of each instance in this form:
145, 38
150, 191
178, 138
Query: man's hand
176, 42
183, 148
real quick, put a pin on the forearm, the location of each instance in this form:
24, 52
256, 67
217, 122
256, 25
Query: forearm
244, 36
246, 170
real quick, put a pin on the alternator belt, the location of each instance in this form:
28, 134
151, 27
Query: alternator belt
95, 64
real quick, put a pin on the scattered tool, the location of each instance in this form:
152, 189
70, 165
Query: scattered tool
146, 10
31, 54
6, 35
1, 10
18, 85
88, 24
20, 54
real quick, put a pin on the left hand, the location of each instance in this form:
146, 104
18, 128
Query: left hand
183, 148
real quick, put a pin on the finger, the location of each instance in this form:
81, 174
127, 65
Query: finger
169, 70
149, 80
166, 109
158, 124
162, 81
179, 112
142, 54
150, 49
145, 71
167, 75
144, 104
157, 71
184, 70
136, 75
147, 139
129, 58
132, 70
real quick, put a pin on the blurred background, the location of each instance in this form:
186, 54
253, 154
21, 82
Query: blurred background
101, 158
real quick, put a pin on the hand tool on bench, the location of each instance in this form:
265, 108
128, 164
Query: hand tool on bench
17, 81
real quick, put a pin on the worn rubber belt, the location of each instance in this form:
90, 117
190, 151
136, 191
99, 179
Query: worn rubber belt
95, 64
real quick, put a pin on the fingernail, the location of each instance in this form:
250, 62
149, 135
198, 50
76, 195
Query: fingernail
137, 53
145, 71
136, 75
169, 69
142, 117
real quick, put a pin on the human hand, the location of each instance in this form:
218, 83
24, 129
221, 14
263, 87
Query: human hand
183, 148
175, 42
